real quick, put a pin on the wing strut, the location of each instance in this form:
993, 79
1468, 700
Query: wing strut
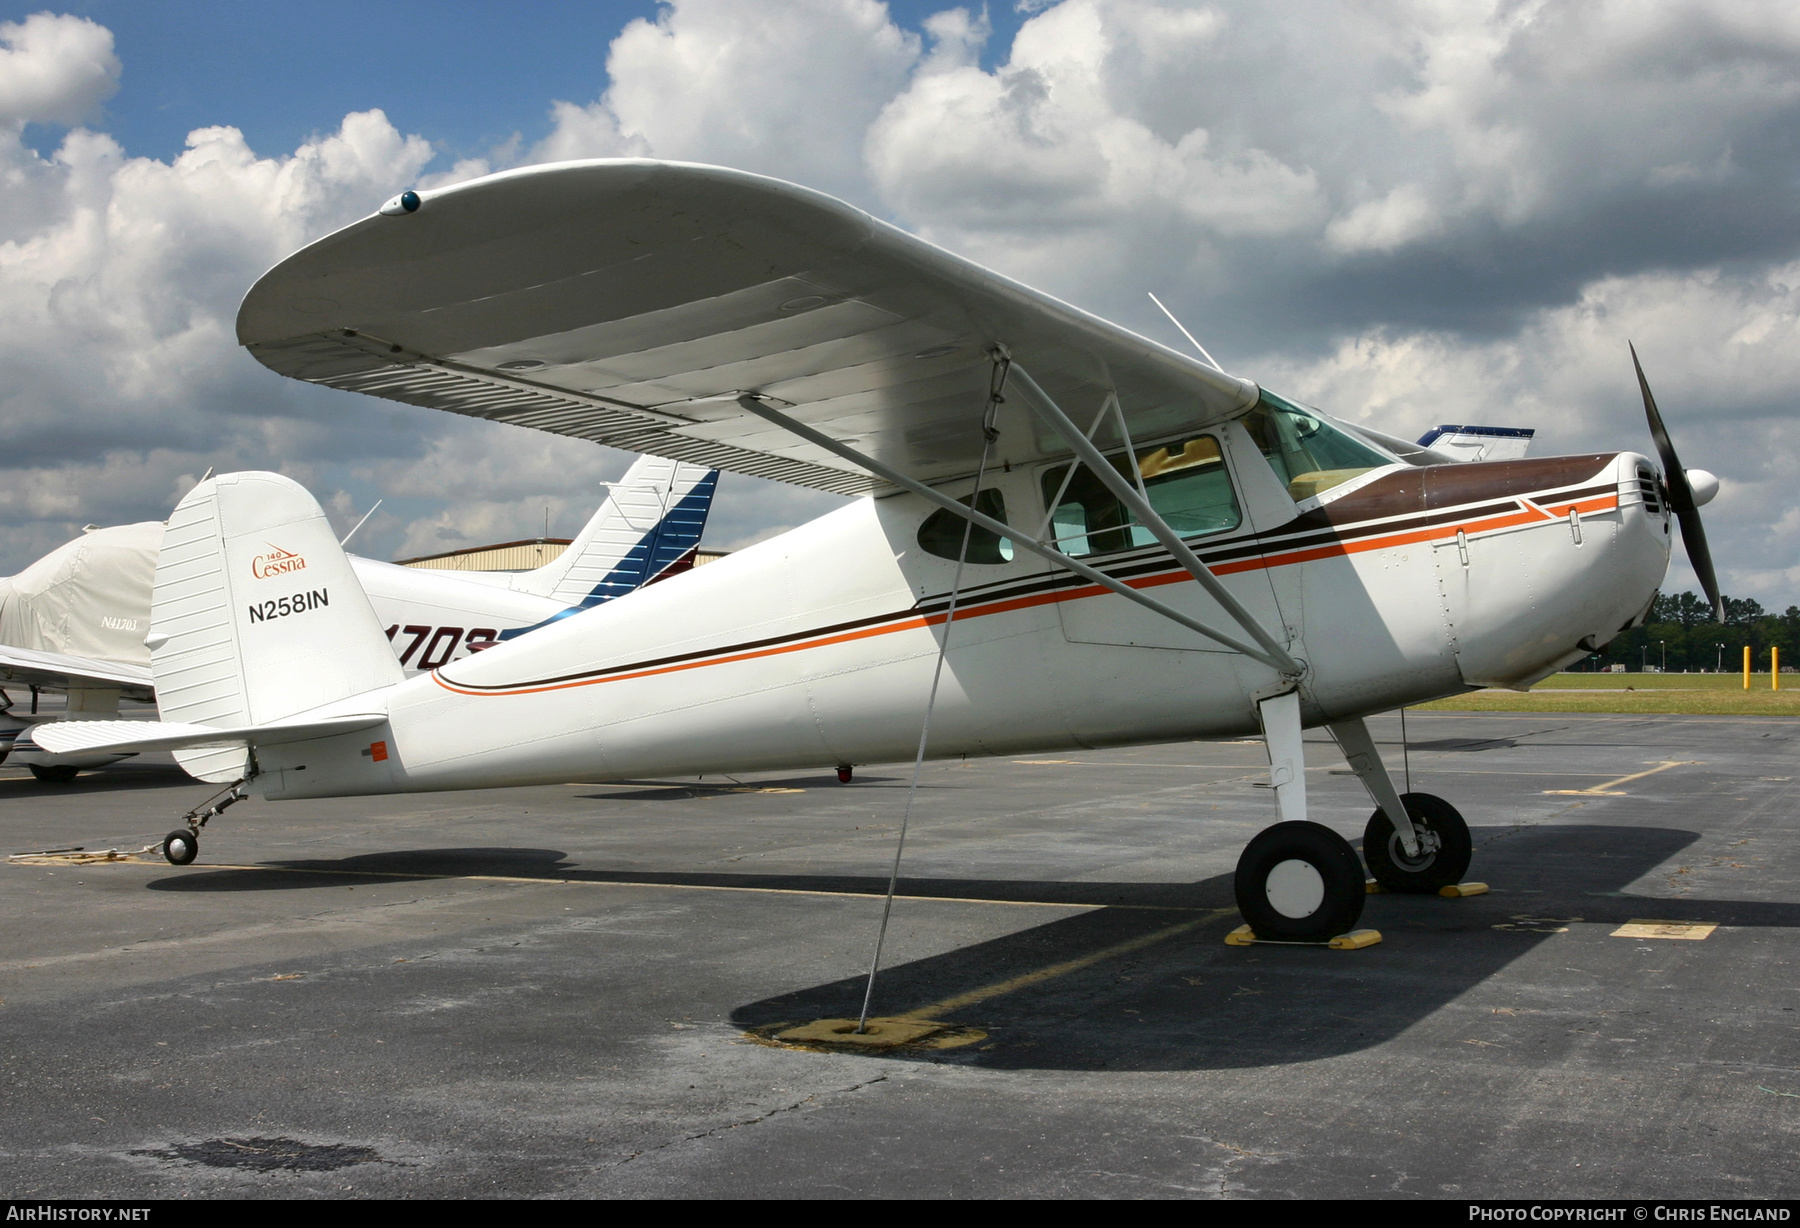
1277, 659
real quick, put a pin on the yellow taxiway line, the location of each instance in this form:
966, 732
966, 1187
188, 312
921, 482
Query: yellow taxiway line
1026, 979
1607, 790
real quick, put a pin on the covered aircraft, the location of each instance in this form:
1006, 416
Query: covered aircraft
1071, 536
75, 620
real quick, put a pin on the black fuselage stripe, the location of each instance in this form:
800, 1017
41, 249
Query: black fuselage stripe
1161, 561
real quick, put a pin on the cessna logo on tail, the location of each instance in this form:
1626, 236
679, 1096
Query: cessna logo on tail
277, 562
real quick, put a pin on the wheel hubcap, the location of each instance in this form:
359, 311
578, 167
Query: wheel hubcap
1397, 853
1295, 888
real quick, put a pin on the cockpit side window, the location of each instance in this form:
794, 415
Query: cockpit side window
1185, 481
942, 532
1307, 453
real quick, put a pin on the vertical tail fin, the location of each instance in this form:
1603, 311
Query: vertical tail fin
256, 614
650, 524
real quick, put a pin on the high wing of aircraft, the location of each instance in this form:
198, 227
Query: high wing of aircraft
75, 620
1075, 536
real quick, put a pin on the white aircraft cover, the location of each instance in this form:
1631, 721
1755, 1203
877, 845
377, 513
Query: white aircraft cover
630, 301
70, 601
79, 613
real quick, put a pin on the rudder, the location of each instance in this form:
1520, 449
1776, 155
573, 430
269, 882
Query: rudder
652, 521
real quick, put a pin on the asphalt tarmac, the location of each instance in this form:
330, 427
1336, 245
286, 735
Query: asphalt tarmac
566, 992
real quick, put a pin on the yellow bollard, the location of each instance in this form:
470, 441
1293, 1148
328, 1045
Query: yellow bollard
1746, 667
1774, 669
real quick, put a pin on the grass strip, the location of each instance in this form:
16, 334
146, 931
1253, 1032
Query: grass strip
1670, 694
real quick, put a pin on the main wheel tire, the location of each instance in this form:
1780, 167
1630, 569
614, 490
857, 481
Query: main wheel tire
1421, 875
58, 774
1299, 882
181, 847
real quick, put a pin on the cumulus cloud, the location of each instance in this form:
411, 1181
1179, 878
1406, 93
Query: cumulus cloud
1400, 217
786, 89
1082, 157
55, 70
1542, 107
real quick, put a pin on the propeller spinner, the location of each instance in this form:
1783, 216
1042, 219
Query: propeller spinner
1687, 491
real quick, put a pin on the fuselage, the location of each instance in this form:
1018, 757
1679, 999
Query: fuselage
816, 647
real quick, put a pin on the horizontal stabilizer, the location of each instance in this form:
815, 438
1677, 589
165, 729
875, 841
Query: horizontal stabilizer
71, 737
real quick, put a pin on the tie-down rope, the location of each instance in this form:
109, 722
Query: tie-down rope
1002, 365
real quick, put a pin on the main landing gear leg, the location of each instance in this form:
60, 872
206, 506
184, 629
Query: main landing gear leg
1415, 843
1297, 881
182, 845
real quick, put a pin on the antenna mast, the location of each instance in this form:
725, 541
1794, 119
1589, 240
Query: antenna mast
1190, 336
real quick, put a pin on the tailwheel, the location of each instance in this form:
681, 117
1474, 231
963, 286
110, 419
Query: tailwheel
181, 847
1431, 869
1299, 882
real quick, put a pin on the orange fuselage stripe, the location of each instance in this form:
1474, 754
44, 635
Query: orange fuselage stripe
1526, 515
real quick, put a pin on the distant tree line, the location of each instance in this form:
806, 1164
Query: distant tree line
1680, 630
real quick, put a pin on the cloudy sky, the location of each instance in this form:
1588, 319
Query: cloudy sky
1407, 213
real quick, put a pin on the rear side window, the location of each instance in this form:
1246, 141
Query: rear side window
1185, 481
942, 532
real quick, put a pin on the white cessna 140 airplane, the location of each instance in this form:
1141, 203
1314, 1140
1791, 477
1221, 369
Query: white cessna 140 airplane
74, 621
1101, 541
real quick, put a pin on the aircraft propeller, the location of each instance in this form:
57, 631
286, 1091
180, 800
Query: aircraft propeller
1688, 490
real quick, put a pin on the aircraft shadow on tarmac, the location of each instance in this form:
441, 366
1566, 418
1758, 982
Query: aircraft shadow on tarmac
1177, 998
686, 790
1189, 1002
553, 865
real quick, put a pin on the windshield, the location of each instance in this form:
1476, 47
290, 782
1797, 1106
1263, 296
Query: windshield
1307, 453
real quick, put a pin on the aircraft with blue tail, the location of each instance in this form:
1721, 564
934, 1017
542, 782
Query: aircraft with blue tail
75, 620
